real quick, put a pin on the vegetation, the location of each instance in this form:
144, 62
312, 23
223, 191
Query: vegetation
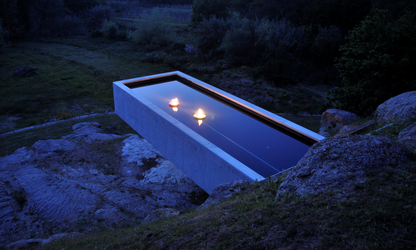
9, 143
376, 215
377, 62
277, 54
202, 9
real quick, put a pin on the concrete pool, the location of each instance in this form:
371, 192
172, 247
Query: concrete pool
236, 140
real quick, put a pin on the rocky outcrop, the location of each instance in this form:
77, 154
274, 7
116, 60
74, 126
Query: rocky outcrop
85, 181
343, 162
334, 119
222, 192
408, 136
398, 109
159, 214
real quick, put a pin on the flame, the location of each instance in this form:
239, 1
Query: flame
200, 115
174, 102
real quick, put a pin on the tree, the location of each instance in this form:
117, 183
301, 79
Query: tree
10, 20
205, 9
376, 63
77, 6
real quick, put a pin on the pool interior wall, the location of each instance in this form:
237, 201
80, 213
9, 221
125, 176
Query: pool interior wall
203, 161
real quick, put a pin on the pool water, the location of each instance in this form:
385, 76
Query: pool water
262, 148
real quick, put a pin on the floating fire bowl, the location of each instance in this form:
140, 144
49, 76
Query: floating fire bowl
212, 136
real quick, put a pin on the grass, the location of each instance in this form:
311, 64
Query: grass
393, 131
71, 79
379, 215
10, 142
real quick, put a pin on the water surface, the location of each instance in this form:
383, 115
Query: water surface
257, 145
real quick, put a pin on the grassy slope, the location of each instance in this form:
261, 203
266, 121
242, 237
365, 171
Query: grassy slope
71, 79
378, 215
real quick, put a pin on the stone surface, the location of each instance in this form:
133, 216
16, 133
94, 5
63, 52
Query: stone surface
88, 180
339, 163
159, 214
398, 109
222, 192
408, 136
334, 119
350, 130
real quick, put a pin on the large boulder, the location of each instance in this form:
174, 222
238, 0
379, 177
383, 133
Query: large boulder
408, 136
334, 119
398, 109
341, 163
223, 192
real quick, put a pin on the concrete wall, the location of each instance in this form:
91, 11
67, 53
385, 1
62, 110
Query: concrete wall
203, 162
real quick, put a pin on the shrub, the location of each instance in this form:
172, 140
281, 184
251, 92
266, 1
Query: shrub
67, 25
210, 33
376, 63
95, 16
326, 43
110, 29
275, 39
154, 34
3, 35
119, 6
43, 14
206, 9
77, 6
238, 42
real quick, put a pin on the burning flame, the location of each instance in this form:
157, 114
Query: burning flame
174, 102
200, 115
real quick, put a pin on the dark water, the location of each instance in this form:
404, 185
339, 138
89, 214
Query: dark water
258, 146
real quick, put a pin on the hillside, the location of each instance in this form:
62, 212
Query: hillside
377, 213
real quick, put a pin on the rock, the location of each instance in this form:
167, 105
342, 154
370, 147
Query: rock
408, 136
345, 129
111, 214
222, 192
112, 130
53, 146
334, 119
349, 130
398, 109
165, 172
25, 71
89, 132
159, 214
85, 181
339, 163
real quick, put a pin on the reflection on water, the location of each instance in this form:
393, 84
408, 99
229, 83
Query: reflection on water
260, 147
